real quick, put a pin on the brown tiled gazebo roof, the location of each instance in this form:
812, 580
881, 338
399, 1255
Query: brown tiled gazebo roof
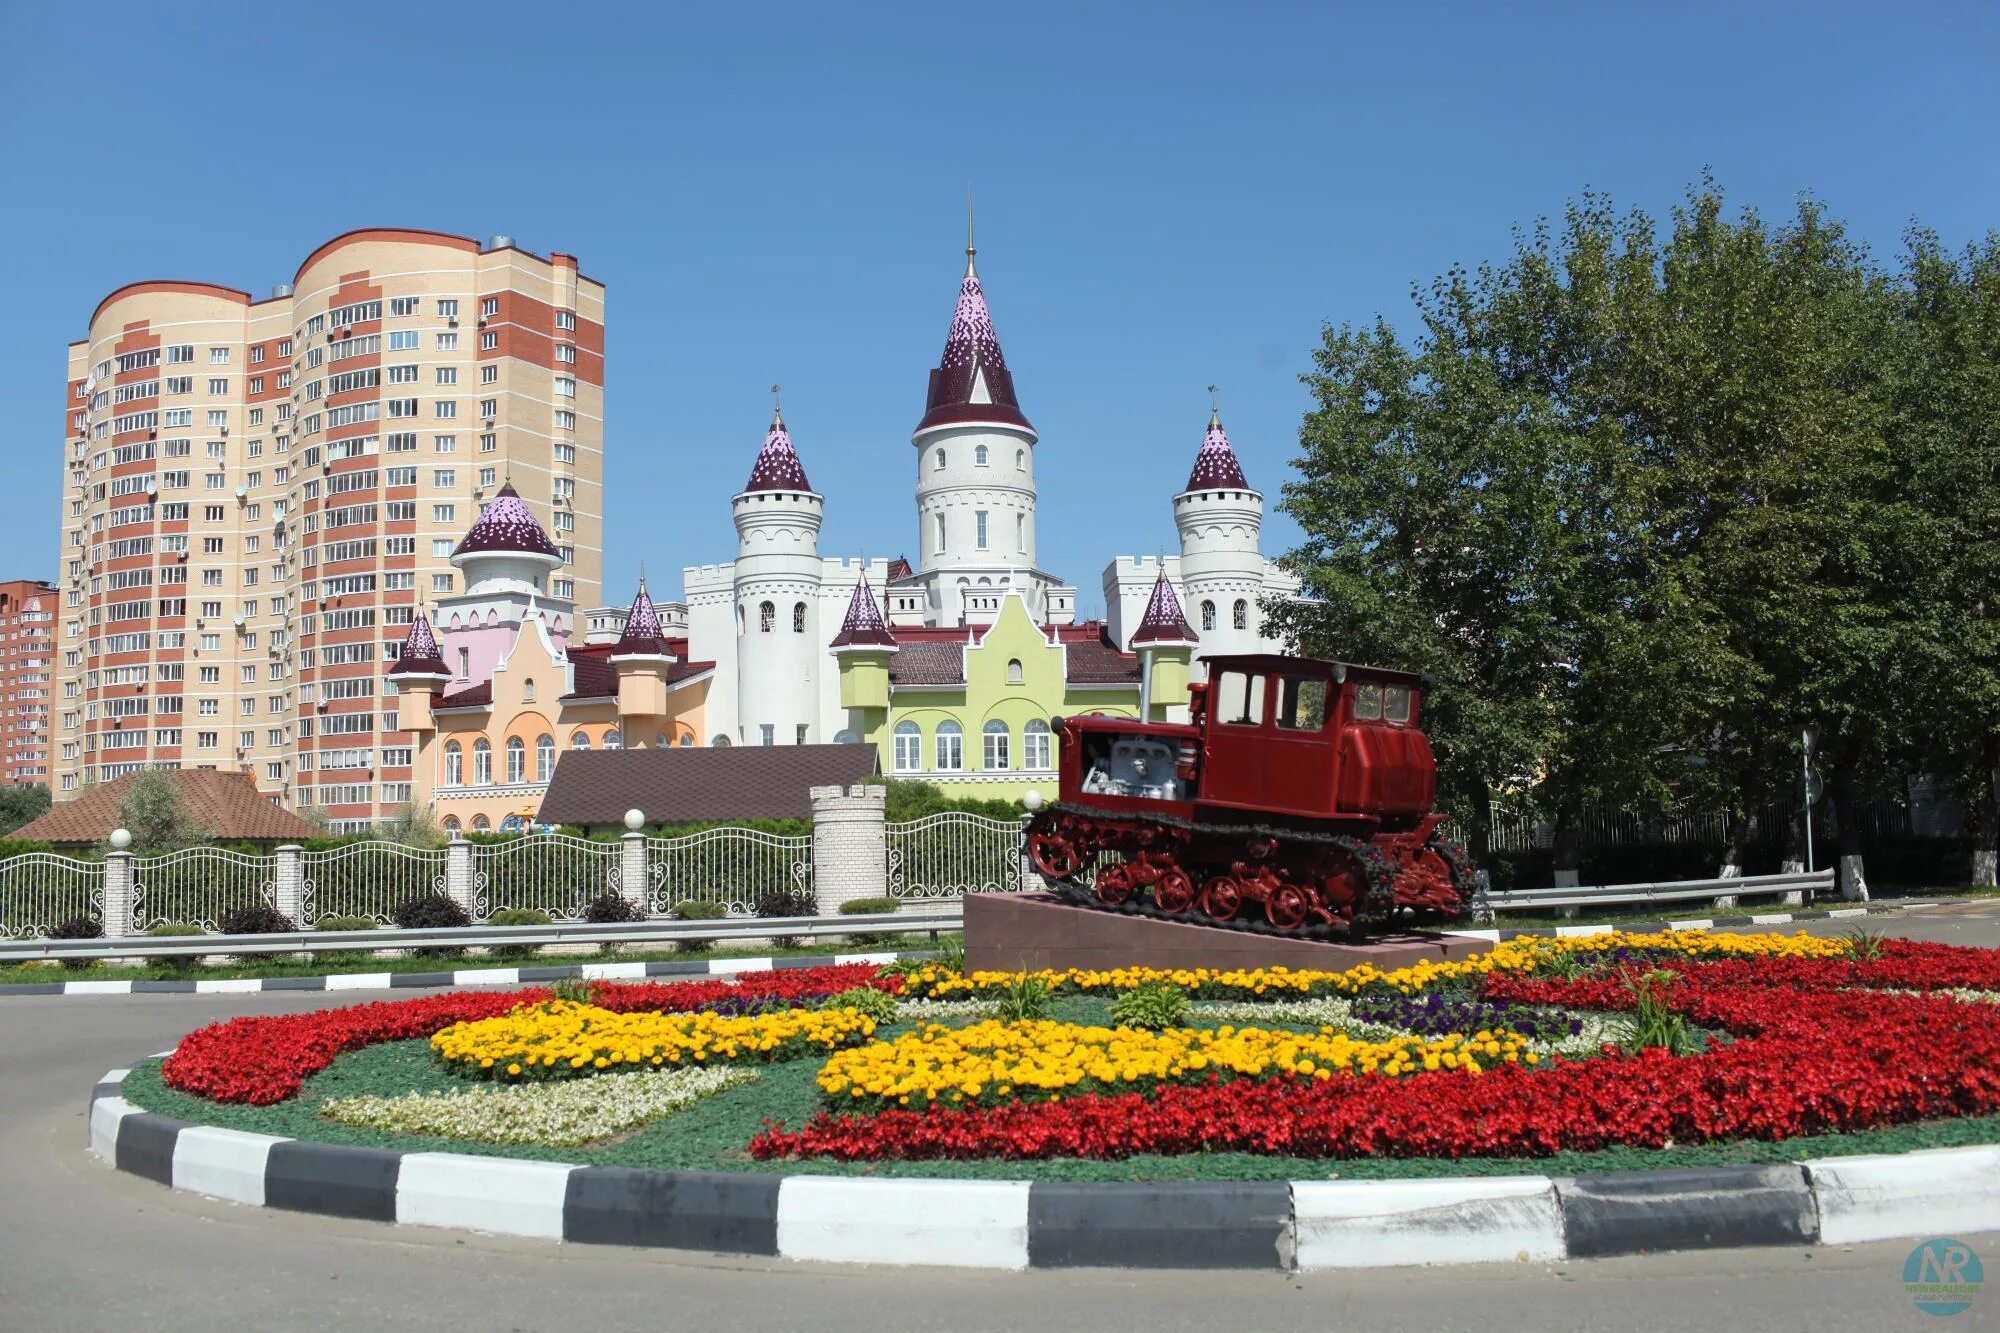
227, 804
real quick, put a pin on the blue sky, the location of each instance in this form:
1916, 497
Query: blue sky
1168, 196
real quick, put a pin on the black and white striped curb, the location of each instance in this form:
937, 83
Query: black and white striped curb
1496, 936
464, 976
1068, 1224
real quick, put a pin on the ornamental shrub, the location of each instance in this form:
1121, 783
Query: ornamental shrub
517, 916
878, 1005
697, 909
179, 962
607, 908
1152, 1007
77, 928
865, 907
255, 919
432, 911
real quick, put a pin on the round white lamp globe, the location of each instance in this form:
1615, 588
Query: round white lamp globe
635, 819
121, 839
1032, 801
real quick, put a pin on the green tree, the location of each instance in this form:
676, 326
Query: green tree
20, 805
154, 814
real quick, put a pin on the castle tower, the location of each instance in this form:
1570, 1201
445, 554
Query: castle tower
419, 675
863, 648
505, 557
1222, 565
777, 583
641, 659
975, 474
1165, 643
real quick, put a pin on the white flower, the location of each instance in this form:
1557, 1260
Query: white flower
566, 1114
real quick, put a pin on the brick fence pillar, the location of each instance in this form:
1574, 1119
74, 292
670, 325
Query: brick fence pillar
120, 893
288, 884
633, 881
850, 845
459, 879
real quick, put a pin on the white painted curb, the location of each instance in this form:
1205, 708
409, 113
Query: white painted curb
358, 981
959, 1223
229, 986
1383, 1223
492, 1194
1935, 1192
222, 1163
105, 1115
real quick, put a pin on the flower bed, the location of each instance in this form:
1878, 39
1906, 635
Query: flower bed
560, 1039
558, 1114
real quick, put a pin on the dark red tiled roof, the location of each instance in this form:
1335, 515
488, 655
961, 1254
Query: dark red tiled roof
1215, 466
777, 467
971, 353
227, 804
472, 696
685, 784
596, 678
506, 524
1095, 662
928, 662
899, 568
420, 655
863, 626
642, 636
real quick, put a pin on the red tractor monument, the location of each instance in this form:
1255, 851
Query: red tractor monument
1297, 800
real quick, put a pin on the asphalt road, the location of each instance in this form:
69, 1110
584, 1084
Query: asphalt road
83, 1247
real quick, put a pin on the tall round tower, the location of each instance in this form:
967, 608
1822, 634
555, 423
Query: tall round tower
779, 648
1222, 568
975, 469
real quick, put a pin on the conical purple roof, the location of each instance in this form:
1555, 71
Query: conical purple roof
778, 467
643, 636
506, 524
1163, 621
971, 352
1215, 467
420, 655
864, 626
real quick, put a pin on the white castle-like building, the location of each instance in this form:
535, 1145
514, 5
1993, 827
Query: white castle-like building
767, 617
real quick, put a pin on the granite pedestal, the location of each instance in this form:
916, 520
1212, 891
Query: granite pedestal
1029, 932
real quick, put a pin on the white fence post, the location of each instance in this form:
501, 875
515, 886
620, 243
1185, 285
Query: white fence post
459, 880
1031, 879
288, 885
118, 887
632, 878
850, 845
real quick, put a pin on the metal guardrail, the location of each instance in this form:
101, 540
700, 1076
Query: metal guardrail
927, 917
1601, 895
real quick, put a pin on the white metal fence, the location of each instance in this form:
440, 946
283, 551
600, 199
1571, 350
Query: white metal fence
40, 890
198, 886
368, 879
735, 867
552, 873
952, 854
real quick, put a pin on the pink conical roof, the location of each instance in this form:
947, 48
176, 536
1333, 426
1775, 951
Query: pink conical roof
1163, 621
777, 467
864, 626
971, 353
643, 636
1215, 467
419, 655
506, 524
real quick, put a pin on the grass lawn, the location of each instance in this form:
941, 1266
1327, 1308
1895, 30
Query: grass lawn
314, 965
711, 1135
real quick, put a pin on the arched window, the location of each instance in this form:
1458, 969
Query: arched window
482, 763
940, 458
950, 747
481, 824
940, 532
613, 740
767, 617
454, 765
517, 760
1035, 746
909, 755
1240, 616
799, 618
979, 455
997, 737
721, 742
528, 690
545, 758
1013, 671
580, 741
451, 823
687, 739
659, 740
1208, 615
1020, 460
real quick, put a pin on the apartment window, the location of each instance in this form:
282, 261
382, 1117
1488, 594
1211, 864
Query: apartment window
565, 387
442, 547
489, 374
446, 408
447, 342
486, 476
218, 386
218, 356
488, 443
565, 319
440, 583
284, 349
448, 308
950, 747
403, 305
180, 352
211, 513
397, 375
402, 442
565, 453
402, 407
566, 354
489, 408
405, 340
566, 420
489, 341
489, 307
443, 478
442, 513
444, 444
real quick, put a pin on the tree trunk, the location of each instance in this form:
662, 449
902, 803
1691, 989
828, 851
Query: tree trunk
1567, 849
1793, 859
1986, 822
1479, 842
1853, 880
1735, 832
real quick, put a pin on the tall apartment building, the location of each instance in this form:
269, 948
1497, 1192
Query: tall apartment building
260, 494
27, 679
